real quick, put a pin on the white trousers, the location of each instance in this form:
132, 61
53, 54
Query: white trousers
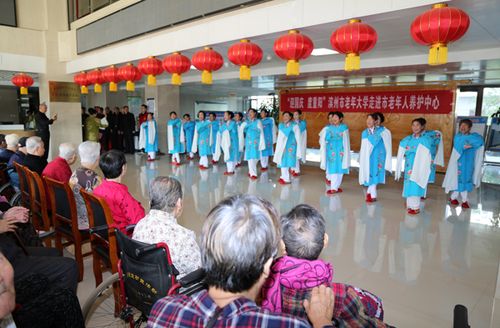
176, 158
336, 180
297, 166
252, 167
372, 190
285, 174
230, 166
204, 161
191, 154
152, 154
413, 202
463, 194
264, 161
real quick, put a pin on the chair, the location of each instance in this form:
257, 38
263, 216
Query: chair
65, 220
38, 206
23, 185
6, 188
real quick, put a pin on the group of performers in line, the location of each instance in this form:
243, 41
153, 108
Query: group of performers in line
258, 138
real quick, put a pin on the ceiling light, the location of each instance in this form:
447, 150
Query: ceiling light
323, 52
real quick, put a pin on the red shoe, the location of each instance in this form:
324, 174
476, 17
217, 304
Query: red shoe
413, 212
203, 167
423, 198
263, 169
339, 190
465, 205
150, 159
282, 182
369, 198
253, 177
228, 173
454, 202
328, 182
331, 191
190, 158
214, 162
238, 165
295, 174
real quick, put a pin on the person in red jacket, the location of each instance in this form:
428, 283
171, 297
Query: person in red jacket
59, 169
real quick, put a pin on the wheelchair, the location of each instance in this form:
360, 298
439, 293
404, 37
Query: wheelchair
145, 274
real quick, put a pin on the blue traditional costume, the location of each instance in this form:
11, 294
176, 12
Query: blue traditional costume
201, 142
288, 149
215, 139
303, 146
230, 144
188, 128
464, 168
416, 150
335, 154
148, 139
175, 139
436, 151
270, 139
254, 144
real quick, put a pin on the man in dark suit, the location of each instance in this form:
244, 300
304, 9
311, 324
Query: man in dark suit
128, 128
42, 127
35, 160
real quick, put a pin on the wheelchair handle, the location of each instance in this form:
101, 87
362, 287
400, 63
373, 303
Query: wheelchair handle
145, 249
98, 228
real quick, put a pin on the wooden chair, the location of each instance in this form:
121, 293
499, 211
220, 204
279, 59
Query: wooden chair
65, 220
23, 185
6, 188
38, 205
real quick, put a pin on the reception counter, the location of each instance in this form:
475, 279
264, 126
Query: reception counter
17, 129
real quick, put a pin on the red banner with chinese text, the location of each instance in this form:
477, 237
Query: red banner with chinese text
419, 101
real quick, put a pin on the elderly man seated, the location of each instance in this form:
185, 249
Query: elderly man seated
59, 169
239, 240
6, 153
160, 225
34, 160
18, 157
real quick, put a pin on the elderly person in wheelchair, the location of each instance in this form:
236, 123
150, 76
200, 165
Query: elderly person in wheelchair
160, 225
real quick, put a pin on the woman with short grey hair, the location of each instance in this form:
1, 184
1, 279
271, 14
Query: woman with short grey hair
85, 178
160, 225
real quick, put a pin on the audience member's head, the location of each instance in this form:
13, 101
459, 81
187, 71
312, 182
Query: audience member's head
125, 109
89, 154
3, 144
239, 240
165, 195
303, 232
21, 146
144, 108
7, 292
12, 141
67, 151
92, 111
35, 146
113, 164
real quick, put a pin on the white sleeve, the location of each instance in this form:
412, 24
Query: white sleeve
322, 149
399, 163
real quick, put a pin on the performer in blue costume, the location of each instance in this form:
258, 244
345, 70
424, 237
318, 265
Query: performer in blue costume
436, 151
466, 161
188, 127
415, 149
269, 127
229, 142
287, 147
238, 118
175, 138
297, 118
335, 151
148, 137
201, 140
372, 158
214, 126
254, 142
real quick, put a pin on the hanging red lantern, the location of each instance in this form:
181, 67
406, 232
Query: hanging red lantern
437, 27
293, 47
22, 81
82, 81
207, 60
245, 54
111, 76
129, 73
95, 77
151, 67
176, 64
352, 39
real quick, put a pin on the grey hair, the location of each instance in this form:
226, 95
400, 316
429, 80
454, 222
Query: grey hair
32, 143
89, 152
239, 236
164, 192
67, 150
12, 140
303, 231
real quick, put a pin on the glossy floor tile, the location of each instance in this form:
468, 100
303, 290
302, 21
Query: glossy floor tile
421, 266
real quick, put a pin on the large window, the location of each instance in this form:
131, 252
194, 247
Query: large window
491, 101
466, 103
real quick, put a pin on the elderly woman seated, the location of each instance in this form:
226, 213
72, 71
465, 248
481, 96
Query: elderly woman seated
85, 177
160, 225
239, 240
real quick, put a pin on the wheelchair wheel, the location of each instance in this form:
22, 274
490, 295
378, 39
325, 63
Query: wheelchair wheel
99, 308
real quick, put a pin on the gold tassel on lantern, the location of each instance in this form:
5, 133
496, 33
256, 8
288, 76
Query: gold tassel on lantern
151, 80
438, 54
352, 62
24, 90
113, 87
84, 89
97, 88
176, 79
206, 77
130, 86
292, 67
245, 73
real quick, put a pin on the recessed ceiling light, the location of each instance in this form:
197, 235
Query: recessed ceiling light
323, 52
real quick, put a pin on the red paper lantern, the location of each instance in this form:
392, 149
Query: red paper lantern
129, 73
82, 81
111, 76
352, 39
437, 27
207, 60
245, 54
176, 64
151, 67
293, 47
95, 77
23, 81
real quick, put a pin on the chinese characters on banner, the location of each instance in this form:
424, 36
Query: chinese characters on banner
408, 101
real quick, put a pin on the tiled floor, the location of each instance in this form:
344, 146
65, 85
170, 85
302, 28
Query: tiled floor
421, 265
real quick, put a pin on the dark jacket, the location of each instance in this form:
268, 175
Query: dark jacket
127, 123
35, 163
42, 124
18, 157
5, 155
